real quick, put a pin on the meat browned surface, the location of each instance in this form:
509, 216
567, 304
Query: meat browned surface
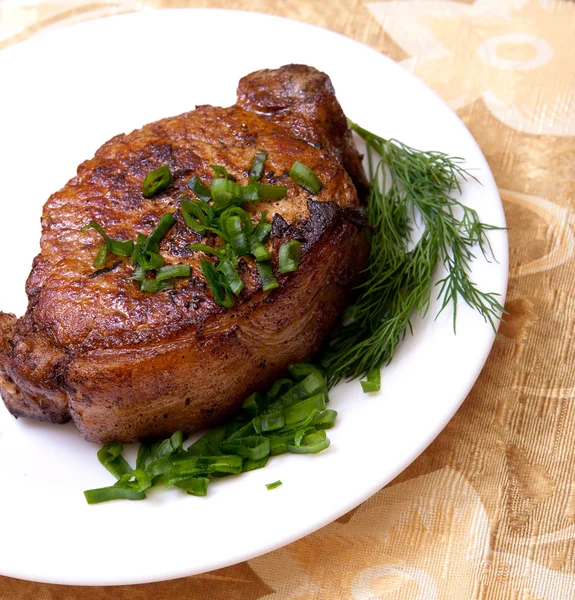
125, 364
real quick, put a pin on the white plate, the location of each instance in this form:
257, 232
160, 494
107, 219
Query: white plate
66, 92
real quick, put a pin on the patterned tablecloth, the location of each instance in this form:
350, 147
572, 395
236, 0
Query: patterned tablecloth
488, 511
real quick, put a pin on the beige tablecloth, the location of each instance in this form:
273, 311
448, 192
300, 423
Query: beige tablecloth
488, 511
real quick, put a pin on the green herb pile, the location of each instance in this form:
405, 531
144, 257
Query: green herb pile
290, 417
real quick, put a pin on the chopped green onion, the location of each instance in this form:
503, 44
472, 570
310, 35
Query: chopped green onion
267, 277
209, 443
170, 271
279, 388
225, 190
156, 181
230, 273
305, 177
271, 192
274, 485
289, 256
164, 225
113, 493
144, 452
220, 171
373, 381
100, 257
300, 371
250, 193
219, 252
324, 419
232, 225
263, 229
252, 404
139, 274
150, 261
255, 447
310, 444
219, 292
199, 189
153, 285
258, 250
118, 247
110, 456
195, 486
257, 168
251, 465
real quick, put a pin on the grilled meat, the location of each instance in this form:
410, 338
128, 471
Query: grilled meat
126, 364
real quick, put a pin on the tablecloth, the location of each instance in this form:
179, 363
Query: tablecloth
488, 510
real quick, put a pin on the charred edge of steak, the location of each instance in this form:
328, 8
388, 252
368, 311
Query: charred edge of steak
21, 397
322, 217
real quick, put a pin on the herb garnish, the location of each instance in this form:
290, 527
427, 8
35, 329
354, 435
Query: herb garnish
290, 417
398, 281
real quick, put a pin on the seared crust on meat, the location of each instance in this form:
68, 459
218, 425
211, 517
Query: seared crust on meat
127, 365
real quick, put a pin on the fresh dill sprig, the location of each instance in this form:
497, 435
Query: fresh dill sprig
408, 185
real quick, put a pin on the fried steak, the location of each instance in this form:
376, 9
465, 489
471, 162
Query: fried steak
128, 365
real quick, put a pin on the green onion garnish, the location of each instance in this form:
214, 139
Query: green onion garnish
263, 229
258, 250
257, 168
220, 293
171, 271
274, 485
153, 285
271, 192
373, 381
305, 177
219, 252
267, 277
110, 456
118, 247
220, 171
199, 189
289, 256
230, 273
164, 225
224, 191
195, 486
113, 493
156, 181
232, 225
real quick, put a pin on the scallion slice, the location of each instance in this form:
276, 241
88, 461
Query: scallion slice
153, 285
118, 247
311, 443
289, 256
258, 250
171, 271
219, 291
230, 273
113, 492
150, 261
220, 171
250, 193
164, 225
267, 277
305, 177
225, 190
110, 456
257, 168
199, 189
274, 485
156, 181
232, 225
255, 447
263, 229
195, 486
219, 252
373, 381
271, 192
